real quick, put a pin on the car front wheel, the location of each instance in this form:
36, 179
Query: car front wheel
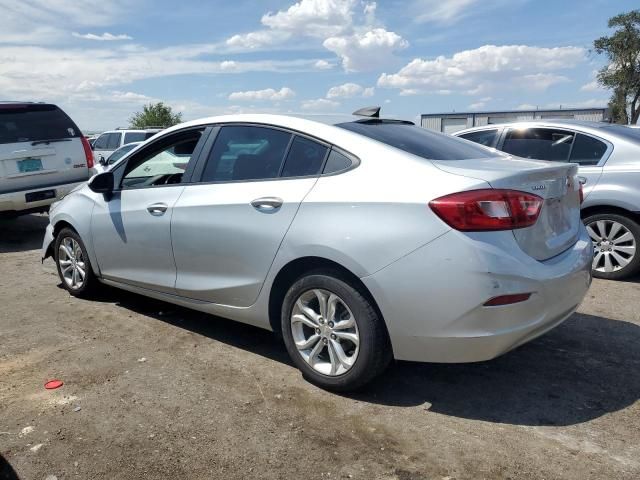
333, 333
73, 264
615, 245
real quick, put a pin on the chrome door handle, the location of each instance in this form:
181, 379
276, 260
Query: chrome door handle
157, 209
267, 204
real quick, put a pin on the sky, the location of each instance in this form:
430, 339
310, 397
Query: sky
102, 60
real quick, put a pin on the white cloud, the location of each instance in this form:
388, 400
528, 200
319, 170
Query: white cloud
323, 65
482, 103
346, 90
306, 18
49, 21
367, 50
269, 94
319, 104
485, 69
592, 86
441, 11
106, 36
350, 90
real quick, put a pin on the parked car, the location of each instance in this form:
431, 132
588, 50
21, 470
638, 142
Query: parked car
104, 164
609, 159
108, 142
360, 242
43, 156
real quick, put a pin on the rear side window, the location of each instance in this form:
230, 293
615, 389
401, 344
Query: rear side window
416, 140
539, 143
101, 142
337, 162
246, 153
305, 157
28, 123
483, 137
587, 150
131, 137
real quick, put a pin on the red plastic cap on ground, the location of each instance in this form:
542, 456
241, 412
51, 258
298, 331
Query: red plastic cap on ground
53, 384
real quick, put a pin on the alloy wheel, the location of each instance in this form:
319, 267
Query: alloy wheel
72, 263
325, 332
614, 246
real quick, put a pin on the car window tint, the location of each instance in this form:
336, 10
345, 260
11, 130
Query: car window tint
246, 153
305, 157
121, 152
539, 143
31, 122
130, 137
113, 141
417, 140
337, 162
483, 137
101, 142
161, 163
587, 150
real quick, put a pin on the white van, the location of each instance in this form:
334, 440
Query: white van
43, 156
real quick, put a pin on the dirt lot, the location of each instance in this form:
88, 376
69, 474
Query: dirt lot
154, 391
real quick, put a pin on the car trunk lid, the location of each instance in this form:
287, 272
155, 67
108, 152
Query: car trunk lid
558, 225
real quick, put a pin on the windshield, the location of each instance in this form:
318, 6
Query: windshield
121, 152
418, 141
31, 122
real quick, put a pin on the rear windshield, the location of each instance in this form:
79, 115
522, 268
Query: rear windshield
625, 132
418, 141
28, 123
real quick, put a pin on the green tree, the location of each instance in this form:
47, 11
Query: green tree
155, 115
622, 74
618, 107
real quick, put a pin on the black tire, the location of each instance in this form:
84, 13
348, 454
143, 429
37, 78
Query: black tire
374, 352
87, 286
632, 267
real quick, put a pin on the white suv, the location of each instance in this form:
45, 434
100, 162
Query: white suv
110, 141
43, 156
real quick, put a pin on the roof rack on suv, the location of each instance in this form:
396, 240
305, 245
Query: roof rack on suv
150, 127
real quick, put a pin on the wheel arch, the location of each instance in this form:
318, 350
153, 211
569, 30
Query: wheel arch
293, 270
601, 209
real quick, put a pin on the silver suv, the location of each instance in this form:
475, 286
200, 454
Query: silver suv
609, 159
43, 156
108, 142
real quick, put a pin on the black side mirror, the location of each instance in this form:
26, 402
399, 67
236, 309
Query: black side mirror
102, 183
102, 161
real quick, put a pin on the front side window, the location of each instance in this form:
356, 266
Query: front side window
539, 143
113, 141
587, 150
162, 163
305, 158
483, 137
243, 152
101, 142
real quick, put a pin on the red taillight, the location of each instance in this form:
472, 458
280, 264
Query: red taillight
87, 151
482, 210
507, 299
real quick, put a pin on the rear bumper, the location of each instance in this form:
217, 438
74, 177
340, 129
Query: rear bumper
16, 202
432, 300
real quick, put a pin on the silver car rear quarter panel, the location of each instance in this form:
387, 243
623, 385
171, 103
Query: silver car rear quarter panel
432, 300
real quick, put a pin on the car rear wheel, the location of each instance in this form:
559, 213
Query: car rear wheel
73, 264
615, 245
333, 333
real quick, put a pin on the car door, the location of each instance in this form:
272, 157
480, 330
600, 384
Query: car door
228, 226
131, 231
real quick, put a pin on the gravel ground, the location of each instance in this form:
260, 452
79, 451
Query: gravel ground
154, 391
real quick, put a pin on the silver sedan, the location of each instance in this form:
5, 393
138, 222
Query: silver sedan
360, 242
